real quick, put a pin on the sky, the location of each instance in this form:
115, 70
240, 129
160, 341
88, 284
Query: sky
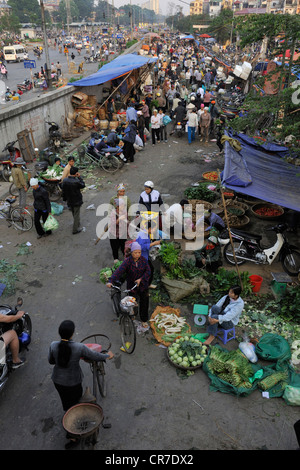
164, 5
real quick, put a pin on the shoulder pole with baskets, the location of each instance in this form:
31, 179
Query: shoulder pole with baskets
228, 227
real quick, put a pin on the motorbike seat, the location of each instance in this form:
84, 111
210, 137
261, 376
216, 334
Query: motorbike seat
247, 235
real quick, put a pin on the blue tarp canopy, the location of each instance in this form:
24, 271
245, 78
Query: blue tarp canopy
261, 171
117, 67
190, 36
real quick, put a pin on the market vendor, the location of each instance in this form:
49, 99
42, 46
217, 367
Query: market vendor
212, 220
225, 313
209, 256
137, 271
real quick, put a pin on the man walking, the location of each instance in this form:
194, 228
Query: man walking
19, 180
42, 207
71, 187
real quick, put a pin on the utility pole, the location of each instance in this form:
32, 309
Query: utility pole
114, 29
131, 20
68, 9
48, 67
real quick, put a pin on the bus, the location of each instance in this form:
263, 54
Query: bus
14, 53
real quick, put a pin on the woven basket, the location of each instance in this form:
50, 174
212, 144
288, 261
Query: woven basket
158, 335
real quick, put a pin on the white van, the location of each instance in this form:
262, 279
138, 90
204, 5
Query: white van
14, 53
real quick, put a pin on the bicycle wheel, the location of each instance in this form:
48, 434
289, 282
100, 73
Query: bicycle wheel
13, 190
99, 371
128, 333
109, 163
116, 298
6, 172
21, 219
55, 193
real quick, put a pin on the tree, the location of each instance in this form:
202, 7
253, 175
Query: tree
10, 22
221, 27
282, 106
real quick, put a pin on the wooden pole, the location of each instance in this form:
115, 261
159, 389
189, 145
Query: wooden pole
228, 227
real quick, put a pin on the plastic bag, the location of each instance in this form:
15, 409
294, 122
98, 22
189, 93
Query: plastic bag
248, 349
51, 223
166, 120
56, 209
291, 395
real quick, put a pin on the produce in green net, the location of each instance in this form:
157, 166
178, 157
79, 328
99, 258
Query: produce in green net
273, 379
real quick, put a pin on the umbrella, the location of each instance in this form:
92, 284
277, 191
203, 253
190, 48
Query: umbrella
210, 40
204, 35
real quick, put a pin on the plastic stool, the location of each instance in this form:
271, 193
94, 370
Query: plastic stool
226, 335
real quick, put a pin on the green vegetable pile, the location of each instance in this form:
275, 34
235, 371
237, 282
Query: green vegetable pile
105, 273
231, 366
169, 255
187, 352
201, 192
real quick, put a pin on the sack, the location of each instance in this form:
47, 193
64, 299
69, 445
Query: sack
51, 223
56, 209
291, 395
177, 290
166, 120
272, 347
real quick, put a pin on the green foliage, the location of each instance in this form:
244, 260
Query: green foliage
131, 43
9, 276
201, 192
288, 306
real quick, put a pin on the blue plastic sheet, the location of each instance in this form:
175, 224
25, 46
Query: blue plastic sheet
261, 171
114, 69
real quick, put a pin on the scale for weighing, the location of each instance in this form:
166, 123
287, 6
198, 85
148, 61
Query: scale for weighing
278, 285
200, 313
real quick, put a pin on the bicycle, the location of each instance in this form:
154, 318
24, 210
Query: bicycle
124, 308
98, 368
19, 217
109, 163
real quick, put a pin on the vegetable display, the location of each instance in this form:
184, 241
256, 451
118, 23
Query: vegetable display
231, 366
167, 325
201, 192
210, 175
187, 352
52, 172
268, 212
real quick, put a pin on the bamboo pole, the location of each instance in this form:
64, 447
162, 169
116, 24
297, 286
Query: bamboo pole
228, 227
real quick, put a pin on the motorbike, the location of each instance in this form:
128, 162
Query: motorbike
247, 247
55, 139
7, 162
25, 85
117, 152
179, 128
23, 328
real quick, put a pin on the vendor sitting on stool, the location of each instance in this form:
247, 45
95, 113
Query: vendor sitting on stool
209, 256
225, 313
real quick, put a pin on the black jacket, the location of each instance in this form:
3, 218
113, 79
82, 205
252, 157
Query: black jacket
41, 200
71, 187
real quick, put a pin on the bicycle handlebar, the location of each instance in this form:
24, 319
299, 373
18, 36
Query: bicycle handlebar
125, 291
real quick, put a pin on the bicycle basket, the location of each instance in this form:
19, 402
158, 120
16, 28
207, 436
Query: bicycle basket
128, 302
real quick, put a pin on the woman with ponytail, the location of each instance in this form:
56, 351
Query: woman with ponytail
65, 355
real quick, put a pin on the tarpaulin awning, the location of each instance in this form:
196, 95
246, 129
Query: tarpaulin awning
261, 171
114, 69
190, 36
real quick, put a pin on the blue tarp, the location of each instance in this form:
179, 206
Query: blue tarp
117, 67
261, 171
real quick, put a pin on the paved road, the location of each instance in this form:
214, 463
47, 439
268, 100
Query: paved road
149, 406
17, 73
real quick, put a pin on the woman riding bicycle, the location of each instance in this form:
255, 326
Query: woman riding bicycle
137, 271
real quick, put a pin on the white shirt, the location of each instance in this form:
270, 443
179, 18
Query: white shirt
193, 120
155, 122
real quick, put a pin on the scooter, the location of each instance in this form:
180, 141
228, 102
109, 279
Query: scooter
55, 142
25, 85
8, 161
23, 328
179, 129
246, 247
